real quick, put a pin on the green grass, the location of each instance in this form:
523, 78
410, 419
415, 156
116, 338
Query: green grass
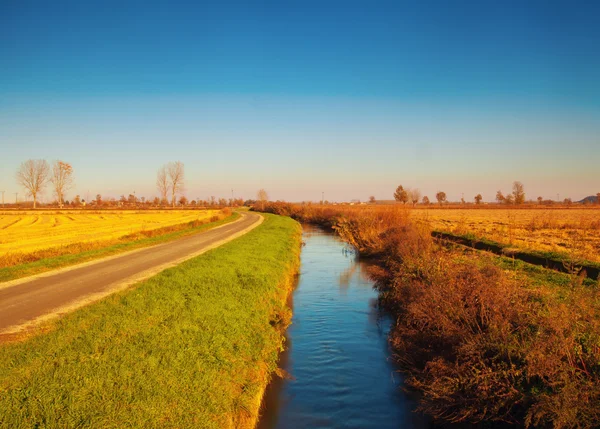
128, 243
190, 347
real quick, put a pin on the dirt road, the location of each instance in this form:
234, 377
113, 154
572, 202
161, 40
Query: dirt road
27, 302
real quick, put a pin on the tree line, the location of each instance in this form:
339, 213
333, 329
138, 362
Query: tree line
34, 175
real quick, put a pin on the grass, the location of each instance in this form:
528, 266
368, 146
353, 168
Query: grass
83, 252
190, 347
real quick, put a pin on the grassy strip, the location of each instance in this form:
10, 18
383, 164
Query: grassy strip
102, 249
190, 347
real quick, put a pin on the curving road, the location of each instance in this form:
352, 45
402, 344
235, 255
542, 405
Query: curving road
29, 301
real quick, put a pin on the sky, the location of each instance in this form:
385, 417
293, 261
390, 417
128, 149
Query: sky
348, 98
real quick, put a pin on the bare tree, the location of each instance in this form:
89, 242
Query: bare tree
500, 197
175, 171
33, 176
62, 179
440, 197
426, 200
262, 197
162, 184
401, 195
518, 193
478, 199
415, 196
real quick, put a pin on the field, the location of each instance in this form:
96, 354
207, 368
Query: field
191, 347
27, 232
573, 231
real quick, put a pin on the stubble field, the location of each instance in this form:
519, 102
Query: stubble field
574, 231
26, 236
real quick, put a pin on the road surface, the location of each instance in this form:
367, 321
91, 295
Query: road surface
27, 302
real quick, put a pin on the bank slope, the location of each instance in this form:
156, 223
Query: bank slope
190, 347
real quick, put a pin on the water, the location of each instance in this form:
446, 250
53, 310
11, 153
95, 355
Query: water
337, 350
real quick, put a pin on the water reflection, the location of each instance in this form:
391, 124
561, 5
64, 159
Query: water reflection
336, 350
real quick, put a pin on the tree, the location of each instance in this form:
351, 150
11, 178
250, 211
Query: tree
426, 200
440, 197
162, 184
176, 174
500, 197
567, 201
76, 201
262, 197
540, 200
183, 200
156, 201
98, 200
478, 199
33, 176
598, 198
509, 199
518, 192
401, 195
62, 179
415, 196
372, 199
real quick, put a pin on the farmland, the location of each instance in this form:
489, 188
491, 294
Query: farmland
26, 232
573, 231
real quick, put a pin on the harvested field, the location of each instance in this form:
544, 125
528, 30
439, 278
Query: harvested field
27, 232
573, 231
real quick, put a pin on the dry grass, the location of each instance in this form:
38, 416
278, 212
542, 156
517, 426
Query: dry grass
23, 235
575, 231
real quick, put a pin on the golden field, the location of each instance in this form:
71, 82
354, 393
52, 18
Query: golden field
574, 231
26, 232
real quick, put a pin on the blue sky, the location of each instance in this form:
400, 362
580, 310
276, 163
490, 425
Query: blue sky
349, 98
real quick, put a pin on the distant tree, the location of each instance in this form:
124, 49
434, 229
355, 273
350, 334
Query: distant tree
426, 200
98, 199
509, 199
162, 183
122, 199
401, 195
156, 201
540, 200
193, 202
76, 201
500, 197
222, 202
372, 199
262, 197
213, 201
415, 196
176, 173
131, 199
440, 197
567, 201
62, 179
598, 198
478, 199
183, 200
33, 176
518, 192
143, 200
462, 201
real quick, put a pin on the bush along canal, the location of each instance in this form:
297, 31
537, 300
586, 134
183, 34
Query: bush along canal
339, 369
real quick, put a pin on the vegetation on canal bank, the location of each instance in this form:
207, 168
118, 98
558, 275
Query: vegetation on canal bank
484, 338
193, 346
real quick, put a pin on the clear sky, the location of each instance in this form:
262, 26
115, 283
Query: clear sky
349, 98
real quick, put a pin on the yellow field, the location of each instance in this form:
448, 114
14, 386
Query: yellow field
26, 232
575, 231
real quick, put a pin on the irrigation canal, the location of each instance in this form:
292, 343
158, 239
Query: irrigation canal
337, 350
